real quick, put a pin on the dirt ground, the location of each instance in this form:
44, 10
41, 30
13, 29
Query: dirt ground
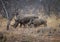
51, 33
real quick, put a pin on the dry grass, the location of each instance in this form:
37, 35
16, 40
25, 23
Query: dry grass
53, 22
51, 33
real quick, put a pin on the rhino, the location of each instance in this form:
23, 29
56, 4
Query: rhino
23, 20
38, 22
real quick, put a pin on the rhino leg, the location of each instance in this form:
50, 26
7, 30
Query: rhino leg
20, 24
45, 24
16, 24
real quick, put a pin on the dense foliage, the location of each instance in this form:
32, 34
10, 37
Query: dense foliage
26, 5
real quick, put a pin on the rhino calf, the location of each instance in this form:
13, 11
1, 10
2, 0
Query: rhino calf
38, 22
